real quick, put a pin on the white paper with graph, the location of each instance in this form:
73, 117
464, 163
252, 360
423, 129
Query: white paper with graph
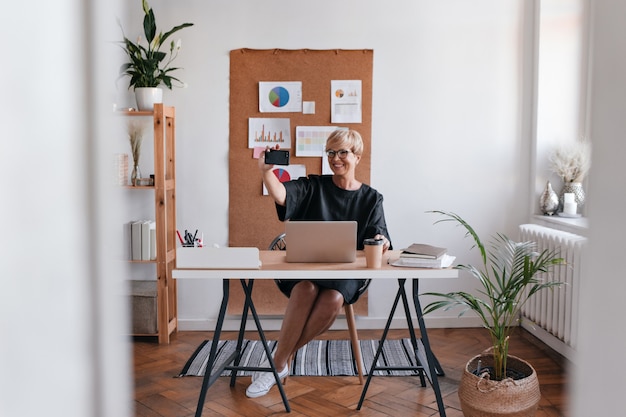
552, 315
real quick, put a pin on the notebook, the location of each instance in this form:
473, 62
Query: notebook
320, 241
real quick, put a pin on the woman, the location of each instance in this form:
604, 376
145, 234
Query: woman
314, 304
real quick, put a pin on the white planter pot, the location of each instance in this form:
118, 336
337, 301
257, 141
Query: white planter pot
147, 96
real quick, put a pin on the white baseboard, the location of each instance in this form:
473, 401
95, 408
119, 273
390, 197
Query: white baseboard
365, 323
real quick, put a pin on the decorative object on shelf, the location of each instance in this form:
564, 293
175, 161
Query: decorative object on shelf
569, 204
575, 188
549, 201
511, 272
144, 182
135, 177
571, 162
147, 96
136, 128
571, 216
121, 165
147, 66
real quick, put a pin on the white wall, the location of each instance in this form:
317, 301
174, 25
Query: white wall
450, 126
599, 377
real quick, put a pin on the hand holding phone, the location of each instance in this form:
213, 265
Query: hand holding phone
277, 157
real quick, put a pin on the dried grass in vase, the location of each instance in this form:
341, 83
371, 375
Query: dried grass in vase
136, 128
572, 161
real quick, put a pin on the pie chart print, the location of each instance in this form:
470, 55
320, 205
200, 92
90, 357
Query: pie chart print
282, 174
279, 96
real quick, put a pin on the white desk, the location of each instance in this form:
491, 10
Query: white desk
274, 266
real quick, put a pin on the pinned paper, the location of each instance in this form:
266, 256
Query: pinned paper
287, 173
311, 140
346, 98
258, 150
269, 131
280, 97
308, 107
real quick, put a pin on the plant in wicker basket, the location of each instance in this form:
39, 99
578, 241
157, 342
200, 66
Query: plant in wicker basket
511, 272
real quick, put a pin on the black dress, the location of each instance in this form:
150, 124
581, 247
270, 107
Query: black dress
318, 198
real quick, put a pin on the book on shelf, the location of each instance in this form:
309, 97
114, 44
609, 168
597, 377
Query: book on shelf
423, 250
145, 240
444, 261
142, 240
135, 240
153, 241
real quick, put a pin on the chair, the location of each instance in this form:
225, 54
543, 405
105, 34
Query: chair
279, 244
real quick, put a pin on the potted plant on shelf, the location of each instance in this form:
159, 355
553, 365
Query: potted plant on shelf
495, 383
148, 67
571, 162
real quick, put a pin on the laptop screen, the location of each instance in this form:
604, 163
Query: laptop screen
321, 241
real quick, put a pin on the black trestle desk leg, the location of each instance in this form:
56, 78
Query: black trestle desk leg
409, 321
242, 330
426, 361
248, 290
430, 358
207, 381
235, 357
380, 347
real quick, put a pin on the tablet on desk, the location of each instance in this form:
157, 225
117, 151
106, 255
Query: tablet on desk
320, 241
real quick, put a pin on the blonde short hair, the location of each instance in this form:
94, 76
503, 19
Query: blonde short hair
345, 139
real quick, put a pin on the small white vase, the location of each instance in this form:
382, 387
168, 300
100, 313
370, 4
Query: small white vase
147, 96
549, 201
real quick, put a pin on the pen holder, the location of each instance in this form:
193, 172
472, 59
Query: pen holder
191, 240
373, 252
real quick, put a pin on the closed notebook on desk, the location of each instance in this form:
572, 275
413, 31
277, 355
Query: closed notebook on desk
217, 258
320, 241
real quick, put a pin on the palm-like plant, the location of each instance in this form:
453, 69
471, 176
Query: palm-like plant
510, 275
146, 66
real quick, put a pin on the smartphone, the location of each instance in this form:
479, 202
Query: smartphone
277, 157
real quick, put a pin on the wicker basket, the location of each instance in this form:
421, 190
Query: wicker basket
482, 397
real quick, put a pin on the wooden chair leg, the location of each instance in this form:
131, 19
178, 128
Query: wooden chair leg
354, 338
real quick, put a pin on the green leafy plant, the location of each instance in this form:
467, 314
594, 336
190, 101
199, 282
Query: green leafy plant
511, 273
148, 66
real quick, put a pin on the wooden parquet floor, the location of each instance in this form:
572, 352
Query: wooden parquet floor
159, 393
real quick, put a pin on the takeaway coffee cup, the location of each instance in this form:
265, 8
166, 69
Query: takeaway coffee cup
373, 252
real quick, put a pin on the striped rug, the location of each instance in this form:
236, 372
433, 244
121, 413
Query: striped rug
317, 358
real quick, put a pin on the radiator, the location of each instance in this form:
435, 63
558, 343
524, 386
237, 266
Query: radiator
552, 314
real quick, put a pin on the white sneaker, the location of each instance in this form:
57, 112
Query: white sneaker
263, 383
257, 374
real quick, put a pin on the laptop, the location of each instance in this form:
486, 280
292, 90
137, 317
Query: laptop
320, 241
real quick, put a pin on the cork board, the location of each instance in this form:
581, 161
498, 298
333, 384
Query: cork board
252, 216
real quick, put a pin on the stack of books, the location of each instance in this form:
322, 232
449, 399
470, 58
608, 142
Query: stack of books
421, 255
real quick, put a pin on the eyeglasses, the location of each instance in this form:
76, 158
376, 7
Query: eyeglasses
342, 153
